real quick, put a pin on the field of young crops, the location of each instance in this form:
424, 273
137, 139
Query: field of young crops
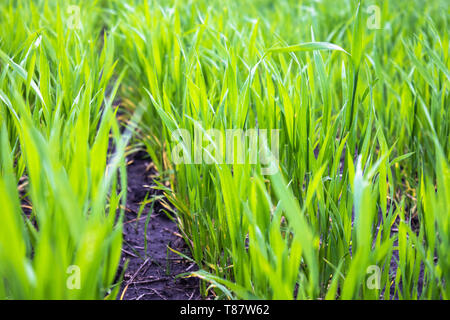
301, 146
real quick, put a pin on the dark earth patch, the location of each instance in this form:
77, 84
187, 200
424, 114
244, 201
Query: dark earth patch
152, 274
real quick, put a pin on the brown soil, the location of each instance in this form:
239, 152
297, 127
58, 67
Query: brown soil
152, 274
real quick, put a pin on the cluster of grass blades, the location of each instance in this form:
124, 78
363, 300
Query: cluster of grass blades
363, 124
357, 91
61, 234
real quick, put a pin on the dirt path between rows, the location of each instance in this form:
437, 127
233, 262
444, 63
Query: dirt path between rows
152, 270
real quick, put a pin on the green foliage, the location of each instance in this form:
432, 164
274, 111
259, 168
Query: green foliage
361, 113
363, 176
56, 123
